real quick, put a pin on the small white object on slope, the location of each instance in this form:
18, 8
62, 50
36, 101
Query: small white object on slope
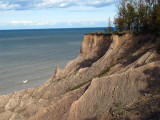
25, 81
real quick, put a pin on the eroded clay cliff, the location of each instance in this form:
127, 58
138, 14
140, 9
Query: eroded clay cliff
110, 75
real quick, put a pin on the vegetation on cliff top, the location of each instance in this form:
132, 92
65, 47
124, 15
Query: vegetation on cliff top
138, 16
135, 16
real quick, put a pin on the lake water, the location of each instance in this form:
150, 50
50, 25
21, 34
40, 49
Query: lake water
32, 55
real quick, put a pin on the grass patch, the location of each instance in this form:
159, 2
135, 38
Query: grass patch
157, 90
33, 96
99, 33
57, 80
122, 112
105, 71
99, 75
78, 86
113, 33
121, 33
118, 109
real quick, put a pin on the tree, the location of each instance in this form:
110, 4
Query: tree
109, 28
119, 23
138, 15
155, 26
122, 14
141, 18
130, 16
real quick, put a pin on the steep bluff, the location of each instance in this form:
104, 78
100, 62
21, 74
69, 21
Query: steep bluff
110, 75
95, 46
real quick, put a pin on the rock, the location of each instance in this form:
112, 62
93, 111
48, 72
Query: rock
57, 72
110, 74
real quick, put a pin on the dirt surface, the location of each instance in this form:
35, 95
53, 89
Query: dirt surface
114, 77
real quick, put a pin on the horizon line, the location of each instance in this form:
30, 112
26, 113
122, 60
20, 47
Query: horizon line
50, 28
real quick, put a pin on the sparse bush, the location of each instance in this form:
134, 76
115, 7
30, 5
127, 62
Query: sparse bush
98, 33
118, 109
105, 71
78, 86
122, 113
57, 80
157, 90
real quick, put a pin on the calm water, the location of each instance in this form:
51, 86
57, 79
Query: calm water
33, 55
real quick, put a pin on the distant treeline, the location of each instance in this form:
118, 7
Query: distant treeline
138, 16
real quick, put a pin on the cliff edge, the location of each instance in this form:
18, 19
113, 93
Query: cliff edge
114, 77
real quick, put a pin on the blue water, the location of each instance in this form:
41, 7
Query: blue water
34, 54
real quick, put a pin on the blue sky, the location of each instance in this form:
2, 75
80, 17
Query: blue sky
34, 14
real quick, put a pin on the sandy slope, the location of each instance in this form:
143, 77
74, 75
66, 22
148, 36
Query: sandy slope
108, 77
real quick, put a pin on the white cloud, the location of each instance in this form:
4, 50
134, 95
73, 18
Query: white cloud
44, 23
7, 6
21, 22
100, 3
95, 2
63, 4
30, 23
38, 4
52, 23
55, 3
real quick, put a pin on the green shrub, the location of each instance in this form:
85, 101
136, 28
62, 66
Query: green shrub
122, 113
121, 33
98, 33
105, 71
157, 90
57, 80
78, 86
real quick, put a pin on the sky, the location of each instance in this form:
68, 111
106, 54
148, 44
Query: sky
35, 14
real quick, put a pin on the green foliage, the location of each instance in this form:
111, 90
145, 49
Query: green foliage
157, 90
121, 33
122, 112
130, 16
105, 71
139, 16
80, 85
118, 109
98, 33
99, 75
57, 80
119, 23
